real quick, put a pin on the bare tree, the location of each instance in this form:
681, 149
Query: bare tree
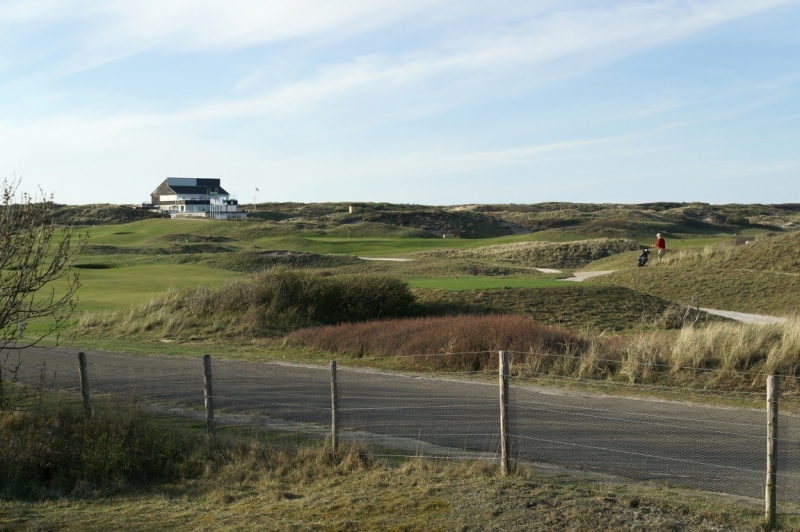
37, 284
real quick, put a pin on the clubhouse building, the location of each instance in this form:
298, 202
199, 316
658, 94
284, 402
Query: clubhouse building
188, 197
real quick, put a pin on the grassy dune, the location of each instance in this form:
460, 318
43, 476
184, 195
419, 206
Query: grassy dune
129, 263
486, 283
270, 302
774, 253
746, 291
760, 277
578, 306
543, 254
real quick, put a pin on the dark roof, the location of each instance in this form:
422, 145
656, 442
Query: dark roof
200, 182
198, 190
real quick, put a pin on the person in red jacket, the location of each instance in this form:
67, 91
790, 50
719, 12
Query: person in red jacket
661, 246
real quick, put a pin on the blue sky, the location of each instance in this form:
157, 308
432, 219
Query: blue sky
419, 101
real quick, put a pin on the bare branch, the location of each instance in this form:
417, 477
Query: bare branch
37, 283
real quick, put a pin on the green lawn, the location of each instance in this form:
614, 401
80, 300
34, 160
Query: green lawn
486, 283
247, 235
148, 257
117, 288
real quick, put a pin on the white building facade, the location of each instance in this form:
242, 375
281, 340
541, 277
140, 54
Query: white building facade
195, 197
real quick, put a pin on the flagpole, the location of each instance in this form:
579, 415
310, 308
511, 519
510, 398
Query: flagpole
255, 191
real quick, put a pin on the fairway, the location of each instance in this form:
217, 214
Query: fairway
487, 283
118, 288
151, 235
129, 263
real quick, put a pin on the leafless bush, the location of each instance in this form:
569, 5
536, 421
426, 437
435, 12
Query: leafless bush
35, 253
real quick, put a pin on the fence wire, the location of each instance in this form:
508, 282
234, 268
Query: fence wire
456, 416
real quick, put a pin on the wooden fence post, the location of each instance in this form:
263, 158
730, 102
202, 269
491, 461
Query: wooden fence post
209, 395
334, 408
84, 373
2, 397
504, 454
770, 497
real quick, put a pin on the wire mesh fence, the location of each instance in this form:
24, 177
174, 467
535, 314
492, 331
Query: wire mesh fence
455, 415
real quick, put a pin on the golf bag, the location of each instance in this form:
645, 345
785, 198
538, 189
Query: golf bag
643, 257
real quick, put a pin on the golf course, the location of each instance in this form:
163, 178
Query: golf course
401, 289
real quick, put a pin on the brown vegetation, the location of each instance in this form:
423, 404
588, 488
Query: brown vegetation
453, 335
719, 355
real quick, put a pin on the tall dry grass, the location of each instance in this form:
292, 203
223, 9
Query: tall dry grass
271, 301
731, 347
761, 252
717, 355
55, 451
544, 254
712, 253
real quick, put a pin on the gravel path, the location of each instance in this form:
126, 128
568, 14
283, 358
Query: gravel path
710, 448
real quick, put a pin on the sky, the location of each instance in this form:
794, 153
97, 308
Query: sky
410, 101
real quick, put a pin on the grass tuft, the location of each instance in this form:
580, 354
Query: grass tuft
739, 356
543, 254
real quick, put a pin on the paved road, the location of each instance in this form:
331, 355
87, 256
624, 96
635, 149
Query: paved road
715, 449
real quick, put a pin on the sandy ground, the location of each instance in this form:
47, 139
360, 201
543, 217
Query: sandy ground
743, 317
578, 277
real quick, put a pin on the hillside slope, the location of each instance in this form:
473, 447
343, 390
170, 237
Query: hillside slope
97, 214
779, 253
542, 254
762, 276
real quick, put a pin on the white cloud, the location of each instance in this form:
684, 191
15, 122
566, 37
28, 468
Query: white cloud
479, 52
105, 30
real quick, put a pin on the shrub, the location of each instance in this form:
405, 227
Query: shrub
467, 340
58, 450
271, 301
